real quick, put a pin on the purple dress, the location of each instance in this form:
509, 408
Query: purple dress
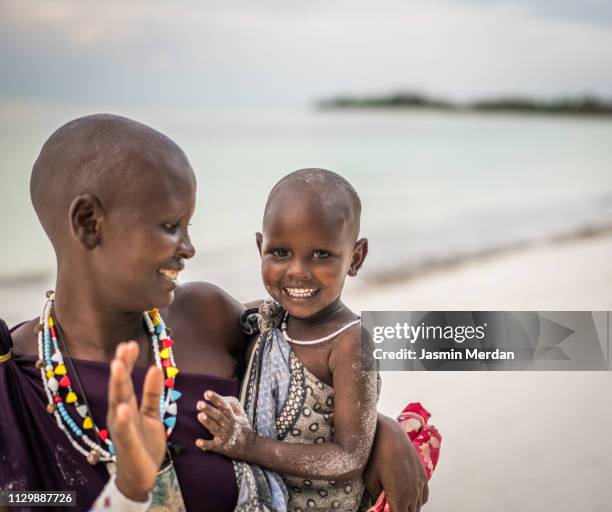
36, 455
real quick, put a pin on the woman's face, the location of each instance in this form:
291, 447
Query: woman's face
145, 243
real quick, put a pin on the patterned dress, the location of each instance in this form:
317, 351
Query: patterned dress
308, 417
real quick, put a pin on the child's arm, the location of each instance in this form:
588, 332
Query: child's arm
354, 424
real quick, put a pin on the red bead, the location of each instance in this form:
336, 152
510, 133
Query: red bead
103, 434
64, 381
53, 332
57, 399
169, 383
167, 343
166, 363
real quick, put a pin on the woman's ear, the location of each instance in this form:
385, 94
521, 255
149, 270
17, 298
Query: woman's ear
360, 251
259, 241
85, 214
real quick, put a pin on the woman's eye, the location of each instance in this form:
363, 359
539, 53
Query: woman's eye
320, 254
170, 227
280, 253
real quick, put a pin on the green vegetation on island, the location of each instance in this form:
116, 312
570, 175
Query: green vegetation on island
581, 105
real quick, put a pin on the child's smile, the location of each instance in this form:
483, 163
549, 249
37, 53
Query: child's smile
298, 293
306, 251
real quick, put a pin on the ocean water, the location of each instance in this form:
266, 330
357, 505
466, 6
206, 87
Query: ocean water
436, 187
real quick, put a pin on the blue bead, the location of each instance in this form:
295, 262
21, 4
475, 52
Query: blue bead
170, 421
175, 395
159, 328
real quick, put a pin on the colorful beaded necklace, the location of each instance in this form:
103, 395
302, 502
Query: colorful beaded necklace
58, 386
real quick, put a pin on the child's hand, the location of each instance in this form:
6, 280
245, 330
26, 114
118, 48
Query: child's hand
226, 420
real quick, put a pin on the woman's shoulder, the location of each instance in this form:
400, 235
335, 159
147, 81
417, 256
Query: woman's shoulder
21, 339
202, 311
196, 300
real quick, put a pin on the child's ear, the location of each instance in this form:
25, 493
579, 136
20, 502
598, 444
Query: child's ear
360, 251
85, 214
259, 240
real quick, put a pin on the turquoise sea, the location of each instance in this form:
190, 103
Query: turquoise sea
436, 187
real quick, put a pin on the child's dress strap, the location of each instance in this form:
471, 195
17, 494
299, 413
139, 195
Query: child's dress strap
264, 390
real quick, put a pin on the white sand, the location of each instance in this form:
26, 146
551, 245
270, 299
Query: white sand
573, 275
513, 441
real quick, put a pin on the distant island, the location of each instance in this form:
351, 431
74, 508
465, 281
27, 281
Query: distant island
582, 105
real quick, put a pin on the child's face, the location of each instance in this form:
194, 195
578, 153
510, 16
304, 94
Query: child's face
306, 255
145, 242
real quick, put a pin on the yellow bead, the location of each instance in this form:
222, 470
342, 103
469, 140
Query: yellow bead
87, 424
165, 353
154, 314
51, 324
71, 397
60, 369
171, 371
50, 374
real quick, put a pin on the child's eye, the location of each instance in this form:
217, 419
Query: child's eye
280, 253
320, 254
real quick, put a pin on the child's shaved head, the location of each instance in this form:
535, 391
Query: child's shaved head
308, 243
330, 191
105, 155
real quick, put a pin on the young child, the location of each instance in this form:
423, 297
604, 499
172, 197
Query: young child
311, 406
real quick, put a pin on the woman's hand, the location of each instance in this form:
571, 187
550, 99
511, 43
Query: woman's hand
226, 420
138, 435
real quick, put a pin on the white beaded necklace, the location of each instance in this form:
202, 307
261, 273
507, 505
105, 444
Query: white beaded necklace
59, 391
319, 340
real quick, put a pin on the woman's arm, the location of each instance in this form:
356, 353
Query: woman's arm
354, 424
395, 468
138, 433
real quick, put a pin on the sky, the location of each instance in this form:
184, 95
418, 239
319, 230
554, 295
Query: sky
270, 53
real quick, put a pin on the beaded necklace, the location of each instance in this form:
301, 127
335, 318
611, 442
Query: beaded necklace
319, 340
62, 397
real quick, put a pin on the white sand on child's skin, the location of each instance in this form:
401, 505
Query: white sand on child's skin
512, 441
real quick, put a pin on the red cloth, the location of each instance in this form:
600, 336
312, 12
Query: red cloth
424, 437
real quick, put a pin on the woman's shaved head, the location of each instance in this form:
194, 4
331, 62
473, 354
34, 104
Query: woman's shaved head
107, 156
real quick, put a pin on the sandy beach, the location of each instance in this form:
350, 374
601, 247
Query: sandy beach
570, 274
515, 441
528, 441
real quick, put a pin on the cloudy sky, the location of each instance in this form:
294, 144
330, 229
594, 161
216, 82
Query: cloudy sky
268, 53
